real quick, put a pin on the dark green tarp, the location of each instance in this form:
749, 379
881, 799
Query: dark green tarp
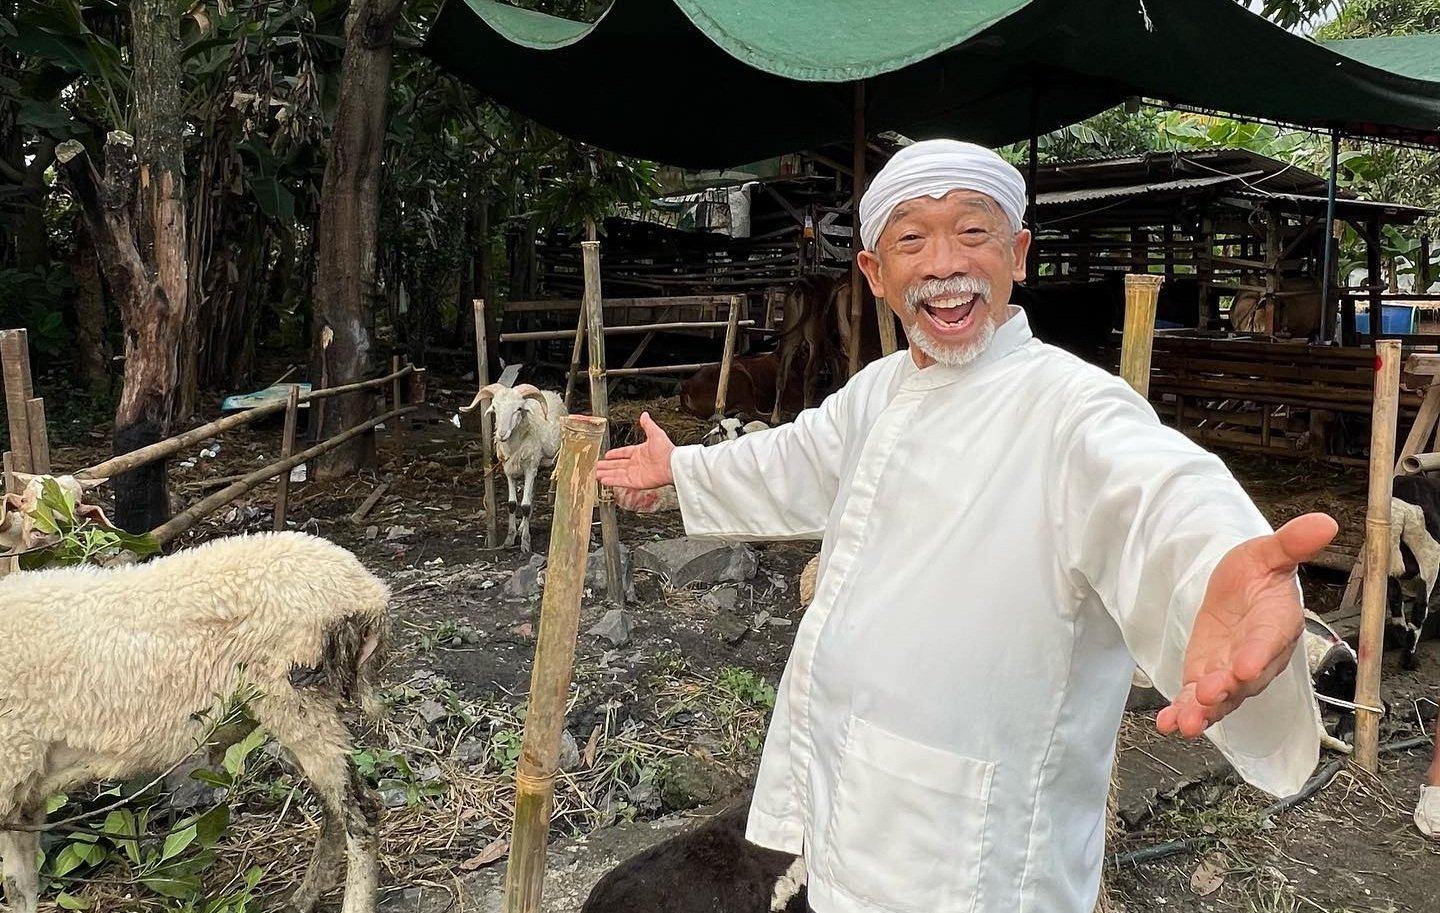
708, 83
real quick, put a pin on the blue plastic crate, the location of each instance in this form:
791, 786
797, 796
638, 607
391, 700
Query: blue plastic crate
1394, 318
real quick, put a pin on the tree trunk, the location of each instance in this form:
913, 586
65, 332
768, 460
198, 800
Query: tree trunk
347, 232
91, 340
151, 319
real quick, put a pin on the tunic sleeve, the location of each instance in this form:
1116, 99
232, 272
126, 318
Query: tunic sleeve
773, 484
1144, 516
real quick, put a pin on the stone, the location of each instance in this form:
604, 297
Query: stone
472, 753
721, 599
527, 580
687, 782
685, 561
569, 751
432, 712
184, 792
596, 573
614, 627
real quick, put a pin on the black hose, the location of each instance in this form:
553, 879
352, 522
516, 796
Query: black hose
1311, 787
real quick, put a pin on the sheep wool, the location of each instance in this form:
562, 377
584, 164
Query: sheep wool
1002, 543
102, 670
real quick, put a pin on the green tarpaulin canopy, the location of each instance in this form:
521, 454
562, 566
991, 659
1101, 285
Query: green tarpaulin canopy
708, 83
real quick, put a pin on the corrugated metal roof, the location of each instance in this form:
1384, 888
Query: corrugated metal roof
1086, 194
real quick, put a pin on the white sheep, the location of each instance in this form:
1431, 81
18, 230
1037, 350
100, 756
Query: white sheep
728, 429
527, 437
104, 670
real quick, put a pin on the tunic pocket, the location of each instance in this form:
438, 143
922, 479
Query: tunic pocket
907, 826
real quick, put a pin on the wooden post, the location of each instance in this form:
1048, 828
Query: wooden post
1422, 268
287, 447
1275, 307
8, 486
727, 357
397, 399
1377, 551
39, 435
1142, 293
554, 660
858, 183
15, 357
1376, 278
487, 441
600, 408
579, 342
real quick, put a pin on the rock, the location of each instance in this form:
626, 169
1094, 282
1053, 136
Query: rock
729, 627
686, 561
687, 782
596, 574
527, 580
185, 792
394, 798
721, 599
432, 712
472, 753
430, 774
569, 751
614, 627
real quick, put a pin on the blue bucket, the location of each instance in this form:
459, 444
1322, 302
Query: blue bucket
1394, 318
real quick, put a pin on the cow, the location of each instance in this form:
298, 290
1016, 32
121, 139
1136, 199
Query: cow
751, 390
1414, 556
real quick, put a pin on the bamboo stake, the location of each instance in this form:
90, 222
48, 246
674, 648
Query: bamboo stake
487, 439
39, 436
1377, 551
1417, 463
1142, 293
550, 678
162, 449
397, 399
579, 336
287, 448
15, 357
600, 407
727, 357
197, 511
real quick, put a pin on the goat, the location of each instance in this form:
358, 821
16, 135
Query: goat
523, 442
728, 429
1414, 556
711, 869
103, 672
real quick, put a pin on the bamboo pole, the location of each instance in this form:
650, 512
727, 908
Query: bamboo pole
397, 399
550, 678
39, 435
161, 449
15, 358
1142, 293
197, 511
1377, 551
1416, 463
287, 448
626, 329
727, 357
579, 343
858, 185
487, 442
600, 407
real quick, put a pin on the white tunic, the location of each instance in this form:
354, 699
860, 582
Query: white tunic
1000, 540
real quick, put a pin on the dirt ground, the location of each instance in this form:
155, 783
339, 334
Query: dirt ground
669, 716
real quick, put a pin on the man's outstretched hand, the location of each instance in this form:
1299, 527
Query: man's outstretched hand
1247, 626
641, 467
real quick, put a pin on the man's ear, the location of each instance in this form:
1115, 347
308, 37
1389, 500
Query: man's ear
870, 266
1022, 254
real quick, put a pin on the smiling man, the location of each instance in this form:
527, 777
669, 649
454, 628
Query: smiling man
1007, 531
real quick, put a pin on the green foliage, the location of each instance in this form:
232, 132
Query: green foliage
34, 299
1376, 18
76, 539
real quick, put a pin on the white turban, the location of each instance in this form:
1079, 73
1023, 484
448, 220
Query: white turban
935, 167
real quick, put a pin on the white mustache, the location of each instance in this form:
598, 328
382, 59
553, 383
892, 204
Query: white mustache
924, 291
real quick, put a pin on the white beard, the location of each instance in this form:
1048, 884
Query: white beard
951, 355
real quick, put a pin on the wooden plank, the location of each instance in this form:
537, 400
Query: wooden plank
39, 435
369, 503
287, 447
661, 369
629, 329
727, 356
15, 356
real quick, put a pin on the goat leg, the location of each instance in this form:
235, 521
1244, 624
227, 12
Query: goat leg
362, 821
525, 505
22, 876
324, 871
510, 503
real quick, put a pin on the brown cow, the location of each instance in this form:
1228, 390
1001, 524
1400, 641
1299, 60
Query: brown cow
751, 390
1291, 315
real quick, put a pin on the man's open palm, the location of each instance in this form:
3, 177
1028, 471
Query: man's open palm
641, 467
1247, 626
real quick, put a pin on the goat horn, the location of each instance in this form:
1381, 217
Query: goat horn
530, 391
485, 392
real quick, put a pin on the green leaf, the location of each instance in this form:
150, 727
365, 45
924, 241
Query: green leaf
68, 860
55, 802
176, 886
211, 826
211, 778
176, 842
70, 902
273, 198
236, 754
